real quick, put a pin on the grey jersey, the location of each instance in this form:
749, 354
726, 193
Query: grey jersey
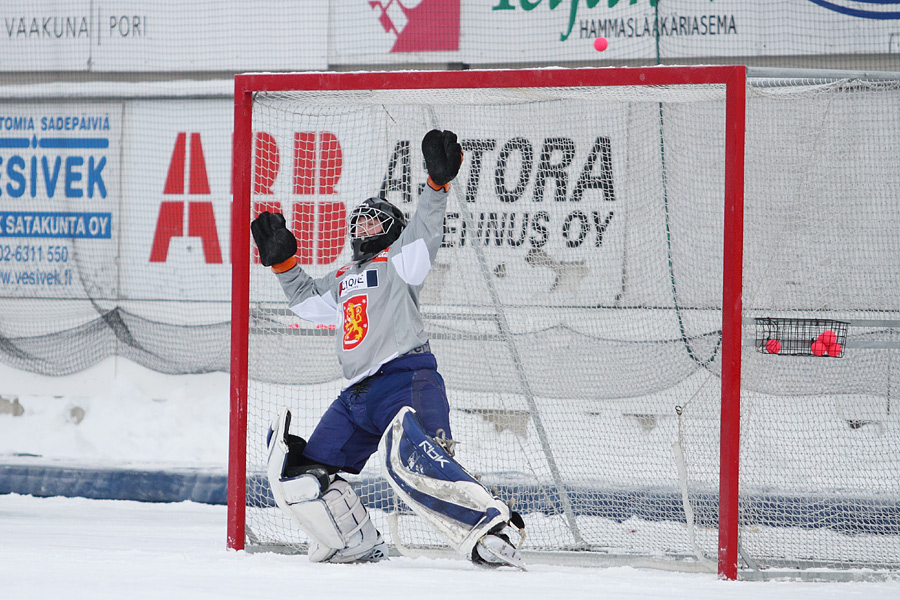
374, 306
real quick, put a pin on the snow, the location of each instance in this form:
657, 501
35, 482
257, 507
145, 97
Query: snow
75, 548
117, 414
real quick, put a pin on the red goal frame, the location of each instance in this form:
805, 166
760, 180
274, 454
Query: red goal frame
734, 78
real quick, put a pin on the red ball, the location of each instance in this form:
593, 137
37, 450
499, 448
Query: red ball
818, 348
828, 337
773, 346
600, 44
834, 349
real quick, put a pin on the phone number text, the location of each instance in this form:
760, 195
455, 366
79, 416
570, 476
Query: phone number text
34, 254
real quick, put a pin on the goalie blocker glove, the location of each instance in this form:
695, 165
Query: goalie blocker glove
275, 242
443, 156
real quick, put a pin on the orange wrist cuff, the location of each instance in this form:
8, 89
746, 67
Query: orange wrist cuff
436, 187
285, 266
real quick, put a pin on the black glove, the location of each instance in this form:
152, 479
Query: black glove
275, 242
442, 155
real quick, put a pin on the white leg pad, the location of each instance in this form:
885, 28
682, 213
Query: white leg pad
336, 521
340, 517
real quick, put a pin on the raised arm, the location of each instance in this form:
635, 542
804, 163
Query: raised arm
417, 246
311, 299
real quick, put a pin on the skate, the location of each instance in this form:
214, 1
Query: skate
497, 550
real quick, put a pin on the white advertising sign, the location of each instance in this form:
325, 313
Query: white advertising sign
166, 35
59, 198
130, 203
545, 31
125, 204
512, 209
176, 210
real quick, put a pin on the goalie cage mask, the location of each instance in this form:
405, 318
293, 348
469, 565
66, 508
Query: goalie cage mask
392, 222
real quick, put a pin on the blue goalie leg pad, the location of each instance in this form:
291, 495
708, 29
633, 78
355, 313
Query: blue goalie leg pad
438, 488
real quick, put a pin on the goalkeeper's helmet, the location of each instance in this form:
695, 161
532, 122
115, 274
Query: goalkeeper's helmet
374, 225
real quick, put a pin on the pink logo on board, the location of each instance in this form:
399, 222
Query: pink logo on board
420, 25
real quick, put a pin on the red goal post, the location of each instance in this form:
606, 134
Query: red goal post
733, 78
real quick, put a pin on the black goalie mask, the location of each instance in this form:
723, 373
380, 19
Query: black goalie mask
374, 225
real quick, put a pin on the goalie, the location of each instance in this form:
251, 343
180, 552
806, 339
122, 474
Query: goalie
394, 395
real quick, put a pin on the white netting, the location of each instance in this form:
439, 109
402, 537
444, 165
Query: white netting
575, 308
821, 223
820, 443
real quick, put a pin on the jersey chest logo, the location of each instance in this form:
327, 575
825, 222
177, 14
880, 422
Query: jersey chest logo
356, 321
360, 281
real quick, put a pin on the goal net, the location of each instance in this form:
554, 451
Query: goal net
576, 305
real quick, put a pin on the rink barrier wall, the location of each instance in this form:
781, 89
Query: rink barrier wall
114, 483
850, 515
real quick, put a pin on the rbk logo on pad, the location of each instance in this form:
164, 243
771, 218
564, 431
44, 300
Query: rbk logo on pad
432, 453
420, 25
356, 321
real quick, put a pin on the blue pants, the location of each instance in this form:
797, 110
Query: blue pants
351, 428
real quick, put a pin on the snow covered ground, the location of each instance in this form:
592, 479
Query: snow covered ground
75, 548
117, 414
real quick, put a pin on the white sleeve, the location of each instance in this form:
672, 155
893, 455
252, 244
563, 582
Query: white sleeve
310, 299
413, 262
318, 309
